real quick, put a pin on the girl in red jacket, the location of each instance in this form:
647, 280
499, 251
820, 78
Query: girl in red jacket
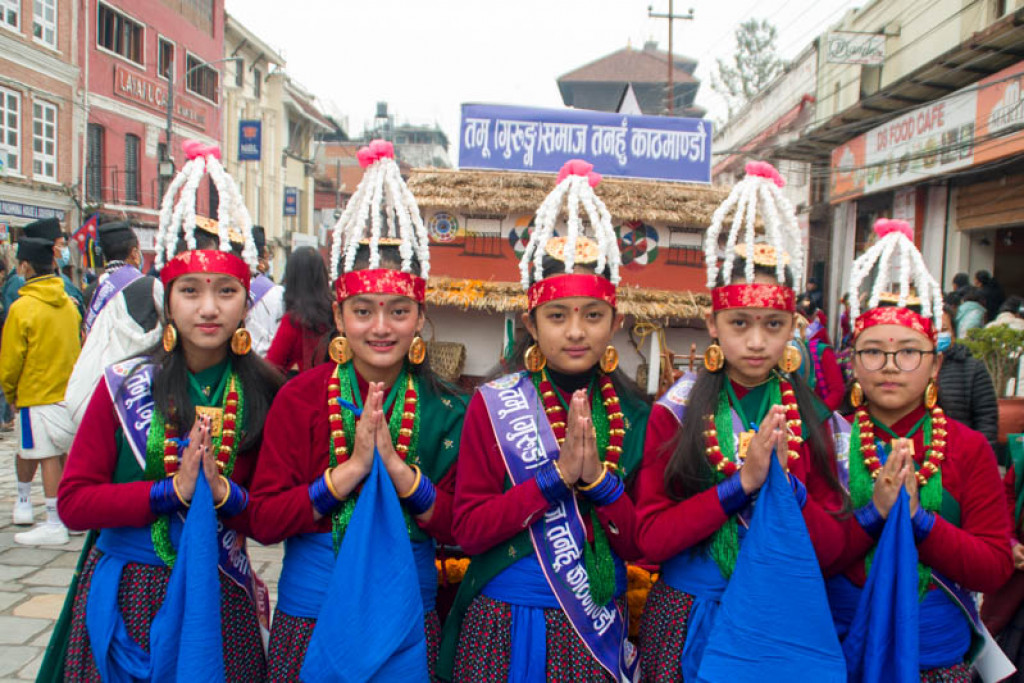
711, 438
902, 438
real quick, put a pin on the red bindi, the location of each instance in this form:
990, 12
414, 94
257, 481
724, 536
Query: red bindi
207, 280
576, 309
381, 303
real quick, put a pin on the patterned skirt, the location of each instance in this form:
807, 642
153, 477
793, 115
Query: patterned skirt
140, 595
289, 638
663, 629
485, 646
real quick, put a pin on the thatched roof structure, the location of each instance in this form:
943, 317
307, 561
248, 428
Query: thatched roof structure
506, 193
501, 297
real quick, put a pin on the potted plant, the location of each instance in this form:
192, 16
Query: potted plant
1000, 348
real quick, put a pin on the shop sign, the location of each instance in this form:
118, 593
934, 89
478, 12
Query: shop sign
152, 93
975, 125
508, 138
250, 134
30, 211
291, 201
845, 47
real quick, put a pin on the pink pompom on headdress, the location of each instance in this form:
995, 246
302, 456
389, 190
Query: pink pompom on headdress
763, 169
581, 168
376, 150
885, 226
194, 149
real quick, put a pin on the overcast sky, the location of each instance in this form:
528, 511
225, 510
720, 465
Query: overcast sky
426, 57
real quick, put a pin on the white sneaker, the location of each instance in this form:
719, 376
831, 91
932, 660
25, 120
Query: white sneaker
43, 534
23, 513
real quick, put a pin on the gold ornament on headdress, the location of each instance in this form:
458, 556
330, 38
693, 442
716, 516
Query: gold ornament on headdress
764, 254
586, 249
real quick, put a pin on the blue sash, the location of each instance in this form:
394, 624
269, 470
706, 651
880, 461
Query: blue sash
309, 563
259, 287
134, 408
185, 634
527, 442
112, 284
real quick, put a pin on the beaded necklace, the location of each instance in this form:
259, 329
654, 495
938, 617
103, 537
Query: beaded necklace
722, 454
163, 458
609, 427
865, 466
403, 425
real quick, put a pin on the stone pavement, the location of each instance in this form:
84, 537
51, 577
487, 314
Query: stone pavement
34, 581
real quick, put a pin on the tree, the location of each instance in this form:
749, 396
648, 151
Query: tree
753, 66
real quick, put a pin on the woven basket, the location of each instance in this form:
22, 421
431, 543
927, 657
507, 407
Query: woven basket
447, 359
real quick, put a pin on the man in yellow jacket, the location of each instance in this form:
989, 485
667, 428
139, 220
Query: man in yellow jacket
37, 353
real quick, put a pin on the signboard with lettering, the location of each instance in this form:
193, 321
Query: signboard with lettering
511, 138
29, 211
855, 48
250, 133
291, 201
152, 93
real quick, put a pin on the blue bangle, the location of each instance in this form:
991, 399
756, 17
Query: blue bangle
870, 519
162, 498
607, 492
238, 500
422, 498
799, 490
323, 500
922, 522
731, 495
551, 484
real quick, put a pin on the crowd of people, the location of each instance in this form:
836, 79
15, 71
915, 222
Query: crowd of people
813, 510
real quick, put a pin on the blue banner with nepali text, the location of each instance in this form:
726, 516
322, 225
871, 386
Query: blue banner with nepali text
509, 138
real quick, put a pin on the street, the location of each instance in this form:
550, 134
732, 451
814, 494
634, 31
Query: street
33, 581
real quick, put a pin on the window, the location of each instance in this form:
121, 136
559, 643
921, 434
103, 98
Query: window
44, 141
201, 79
119, 34
257, 83
9, 12
239, 72
94, 163
10, 130
165, 57
44, 21
131, 169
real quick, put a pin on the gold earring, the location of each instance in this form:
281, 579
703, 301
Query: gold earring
170, 337
714, 358
417, 350
609, 359
931, 395
791, 359
856, 395
241, 342
534, 359
339, 350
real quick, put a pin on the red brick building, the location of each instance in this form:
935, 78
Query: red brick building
38, 115
132, 53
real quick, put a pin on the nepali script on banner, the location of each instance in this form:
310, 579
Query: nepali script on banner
508, 138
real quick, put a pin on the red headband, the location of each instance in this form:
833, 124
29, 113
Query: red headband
757, 295
381, 281
205, 261
895, 315
571, 284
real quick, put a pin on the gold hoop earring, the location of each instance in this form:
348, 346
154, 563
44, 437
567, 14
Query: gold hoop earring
714, 357
170, 337
856, 395
534, 359
931, 394
417, 350
609, 360
339, 350
791, 359
241, 342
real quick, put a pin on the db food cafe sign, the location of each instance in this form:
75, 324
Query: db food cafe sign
151, 93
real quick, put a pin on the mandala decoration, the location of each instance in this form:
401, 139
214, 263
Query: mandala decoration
443, 228
519, 235
638, 244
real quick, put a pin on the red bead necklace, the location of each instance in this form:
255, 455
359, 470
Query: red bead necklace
227, 435
616, 422
933, 458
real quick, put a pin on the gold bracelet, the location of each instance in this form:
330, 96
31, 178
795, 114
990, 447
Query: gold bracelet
559, 470
590, 487
330, 484
174, 483
415, 483
227, 492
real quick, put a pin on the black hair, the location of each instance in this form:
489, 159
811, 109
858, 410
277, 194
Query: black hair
961, 280
121, 249
1012, 304
973, 294
307, 293
43, 268
688, 471
984, 277
952, 300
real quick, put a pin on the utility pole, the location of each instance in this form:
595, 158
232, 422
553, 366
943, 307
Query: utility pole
670, 96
